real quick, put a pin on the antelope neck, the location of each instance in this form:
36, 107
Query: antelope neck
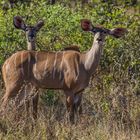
92, 57
31, 45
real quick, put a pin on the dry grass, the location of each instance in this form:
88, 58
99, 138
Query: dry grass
108, 114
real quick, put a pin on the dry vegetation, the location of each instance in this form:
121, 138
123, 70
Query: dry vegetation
108, 114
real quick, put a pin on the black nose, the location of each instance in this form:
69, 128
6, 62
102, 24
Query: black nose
99, 39
31, 35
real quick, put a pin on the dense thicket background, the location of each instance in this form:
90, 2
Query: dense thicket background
113, 98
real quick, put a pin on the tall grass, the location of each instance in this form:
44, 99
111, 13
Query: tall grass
108, 114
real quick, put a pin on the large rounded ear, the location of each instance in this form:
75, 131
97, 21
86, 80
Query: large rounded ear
19, 23
118, 32
39, 25
86, 25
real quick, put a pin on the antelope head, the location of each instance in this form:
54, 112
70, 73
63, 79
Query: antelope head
30, 31
88, 26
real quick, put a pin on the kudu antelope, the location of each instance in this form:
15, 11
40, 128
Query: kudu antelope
30, 31
68, 70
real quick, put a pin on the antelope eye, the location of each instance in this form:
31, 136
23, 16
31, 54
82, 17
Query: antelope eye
26, 29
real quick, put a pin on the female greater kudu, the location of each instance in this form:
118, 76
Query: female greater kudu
68, 70
30, 32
